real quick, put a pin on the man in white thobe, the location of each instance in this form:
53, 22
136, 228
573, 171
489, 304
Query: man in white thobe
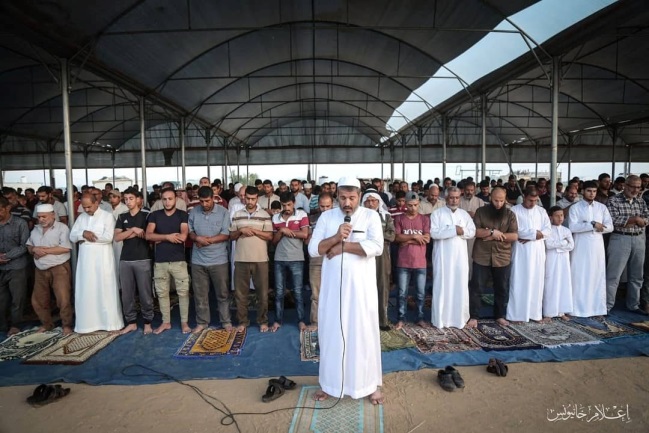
528, 260
588, 221
451, 227
96, 303
350, 364
470, 203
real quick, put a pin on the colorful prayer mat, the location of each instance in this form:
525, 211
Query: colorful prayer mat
491, 336
333, 416
641, 325
603, 327
394, 339
554, 333
74, 349
28, 343
429, 340
309, 348
212, 343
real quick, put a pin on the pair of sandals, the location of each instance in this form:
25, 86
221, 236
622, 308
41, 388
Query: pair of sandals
276, 388
498, 367
450, 379
45, 394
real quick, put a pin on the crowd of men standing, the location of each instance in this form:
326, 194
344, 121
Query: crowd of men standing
458, 239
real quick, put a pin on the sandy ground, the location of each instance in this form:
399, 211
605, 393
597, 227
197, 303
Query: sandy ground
522, 401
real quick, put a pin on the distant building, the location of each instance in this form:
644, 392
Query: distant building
23, 184
120, 183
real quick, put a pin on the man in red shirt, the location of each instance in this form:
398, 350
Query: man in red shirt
412, 235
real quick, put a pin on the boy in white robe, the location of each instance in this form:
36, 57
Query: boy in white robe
557, 292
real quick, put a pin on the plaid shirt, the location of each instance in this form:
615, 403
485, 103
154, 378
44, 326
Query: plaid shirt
621, 209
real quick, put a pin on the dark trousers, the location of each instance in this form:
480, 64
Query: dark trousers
135, 277
258, 271
13, 291
500, 277
220, 277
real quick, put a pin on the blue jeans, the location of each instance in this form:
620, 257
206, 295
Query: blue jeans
625, 252
403, 278
295, 270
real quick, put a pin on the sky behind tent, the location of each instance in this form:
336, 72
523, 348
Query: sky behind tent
540, 21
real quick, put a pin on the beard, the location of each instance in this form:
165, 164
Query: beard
497, 214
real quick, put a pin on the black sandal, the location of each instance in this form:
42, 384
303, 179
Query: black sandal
498, 367
45, 394
455, 375
273, 392
283, 382
445, 380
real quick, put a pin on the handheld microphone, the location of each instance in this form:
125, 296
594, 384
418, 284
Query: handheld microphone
348, 219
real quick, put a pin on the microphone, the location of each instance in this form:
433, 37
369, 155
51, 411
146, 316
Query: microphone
348, 219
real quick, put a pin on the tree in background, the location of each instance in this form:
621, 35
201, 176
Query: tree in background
250, 180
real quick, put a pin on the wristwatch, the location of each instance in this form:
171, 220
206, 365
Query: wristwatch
491, 232
593, 223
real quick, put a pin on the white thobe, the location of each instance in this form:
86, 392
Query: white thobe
450, 305
352, 301
97, 304
588, 258
471, 206
557, 294
528, 265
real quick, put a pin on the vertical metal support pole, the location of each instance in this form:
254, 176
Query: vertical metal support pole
208, 141
85, 164
238, 162
614, 139
570, 138
392, 162
628, 171
143, 152
483, 157
444, 138
420, 138
68, 154
556, 65
382, 154
112, 157
135, 168
403, 158
50, 147
2, 174
536, 161
182, 152
225, 161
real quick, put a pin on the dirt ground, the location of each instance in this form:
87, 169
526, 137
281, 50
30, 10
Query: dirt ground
534, 397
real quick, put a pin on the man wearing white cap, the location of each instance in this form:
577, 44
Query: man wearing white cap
50, 245
349, 237
96, 296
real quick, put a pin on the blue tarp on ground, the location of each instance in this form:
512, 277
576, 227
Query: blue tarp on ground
275, 354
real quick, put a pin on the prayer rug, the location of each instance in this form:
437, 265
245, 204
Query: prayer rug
28, 343
309, 348
602, 327
555, 333
212, 343
74, 349
430, 340
394, 339
491, 336
333, 416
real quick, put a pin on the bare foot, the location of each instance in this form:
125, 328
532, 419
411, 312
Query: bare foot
377, 397
565, 317
502, 322
263, 328
546, 320
472, 323
518, 322
42, 329
13, 331
275, 327
162, 328
228, 327
320, 395
301, 326
67, 330
184, 327
128, 328
198, 329
312, 327
423, 324
399, 325
147, 329
241, 328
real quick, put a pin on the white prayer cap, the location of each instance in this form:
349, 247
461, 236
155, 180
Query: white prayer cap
349, 181
41, 208
237, 187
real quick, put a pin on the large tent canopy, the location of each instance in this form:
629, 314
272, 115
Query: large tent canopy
297, 81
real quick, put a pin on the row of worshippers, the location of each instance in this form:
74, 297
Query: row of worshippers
288, 232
